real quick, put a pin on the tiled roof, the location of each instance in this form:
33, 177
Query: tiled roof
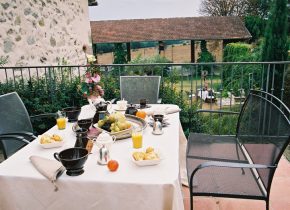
158, 29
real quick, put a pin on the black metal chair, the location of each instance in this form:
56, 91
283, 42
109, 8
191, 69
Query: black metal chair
241, 166
15, 124
134, 88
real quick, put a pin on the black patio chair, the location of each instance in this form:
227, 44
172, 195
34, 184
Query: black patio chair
241, 166
15, 124
134, 88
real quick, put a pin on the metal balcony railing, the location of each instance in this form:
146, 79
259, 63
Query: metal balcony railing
215, 86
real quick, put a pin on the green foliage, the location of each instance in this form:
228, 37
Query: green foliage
147, 70
119, 54
275, 45
238, 77
216, 124
3, 60
111, 87
256, 26
46, 95
204, 57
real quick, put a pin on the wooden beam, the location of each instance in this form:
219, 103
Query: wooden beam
128, 44
192, 51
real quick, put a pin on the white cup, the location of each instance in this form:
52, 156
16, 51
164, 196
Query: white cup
122, 105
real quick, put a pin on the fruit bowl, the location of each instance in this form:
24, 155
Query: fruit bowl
123, 134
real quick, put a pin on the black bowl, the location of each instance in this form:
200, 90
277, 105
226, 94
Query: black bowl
85, 123
72, 113
73, 159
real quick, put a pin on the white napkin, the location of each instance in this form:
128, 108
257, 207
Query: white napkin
171, 110
166, 110
51, 169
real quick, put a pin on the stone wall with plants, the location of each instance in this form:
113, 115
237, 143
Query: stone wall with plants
43, 32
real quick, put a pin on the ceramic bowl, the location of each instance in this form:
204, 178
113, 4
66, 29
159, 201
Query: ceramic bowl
72, 113
73, 159
85, 123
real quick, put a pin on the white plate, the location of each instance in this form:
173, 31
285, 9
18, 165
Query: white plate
148, 162
121, 110
50, 145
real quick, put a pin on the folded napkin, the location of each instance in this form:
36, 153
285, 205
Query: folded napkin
166, 110
171, 110
51, 169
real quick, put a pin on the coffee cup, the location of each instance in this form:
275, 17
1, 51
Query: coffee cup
158, 117
143, 102
122, 105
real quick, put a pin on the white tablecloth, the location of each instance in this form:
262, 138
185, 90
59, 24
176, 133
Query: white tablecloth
130, 187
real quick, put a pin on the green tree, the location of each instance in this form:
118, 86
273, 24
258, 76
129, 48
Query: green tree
119, 54
236, 77
204, 57
256, 26
275, 45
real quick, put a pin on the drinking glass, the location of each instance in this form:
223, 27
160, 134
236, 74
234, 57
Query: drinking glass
61, 121
137, 137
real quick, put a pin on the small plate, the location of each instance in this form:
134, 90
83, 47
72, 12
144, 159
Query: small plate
164, 124
54, 144
138, 106
148, 162
121, 110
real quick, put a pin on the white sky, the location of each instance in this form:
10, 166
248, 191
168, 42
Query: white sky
142, 9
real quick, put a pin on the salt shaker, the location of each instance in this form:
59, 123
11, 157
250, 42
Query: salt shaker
157, 128
103, 155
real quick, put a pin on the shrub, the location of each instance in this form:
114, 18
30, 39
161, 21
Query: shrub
238, 77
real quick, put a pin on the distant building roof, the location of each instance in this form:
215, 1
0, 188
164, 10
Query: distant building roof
158, 29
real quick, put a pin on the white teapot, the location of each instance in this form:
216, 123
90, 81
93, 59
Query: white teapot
105, 139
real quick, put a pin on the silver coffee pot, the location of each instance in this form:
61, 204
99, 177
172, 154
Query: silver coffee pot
103, 155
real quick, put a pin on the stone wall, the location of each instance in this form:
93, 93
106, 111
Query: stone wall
44, 32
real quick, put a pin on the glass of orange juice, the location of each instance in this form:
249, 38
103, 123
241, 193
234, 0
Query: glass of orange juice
61, 121
137, 137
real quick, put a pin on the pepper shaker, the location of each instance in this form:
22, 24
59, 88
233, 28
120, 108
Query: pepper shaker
157, 128
103, 155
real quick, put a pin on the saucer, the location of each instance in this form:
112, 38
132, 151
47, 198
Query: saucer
138, 106
117, 109
164, 124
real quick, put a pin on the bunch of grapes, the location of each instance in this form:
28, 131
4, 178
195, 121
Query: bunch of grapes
114, 123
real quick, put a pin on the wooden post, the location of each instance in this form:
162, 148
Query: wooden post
192, 51
128, 44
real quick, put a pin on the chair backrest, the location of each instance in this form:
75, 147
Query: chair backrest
13, 114
134, 88
264, 130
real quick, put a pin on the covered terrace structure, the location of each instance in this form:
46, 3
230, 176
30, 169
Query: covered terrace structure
227, 29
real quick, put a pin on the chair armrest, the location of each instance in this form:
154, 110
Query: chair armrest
20, 133
13, 137
46, 115
228, 165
